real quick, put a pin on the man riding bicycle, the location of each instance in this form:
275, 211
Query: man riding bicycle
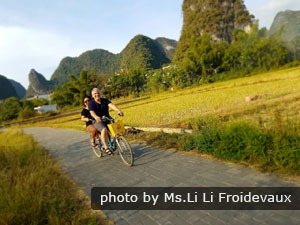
99, 107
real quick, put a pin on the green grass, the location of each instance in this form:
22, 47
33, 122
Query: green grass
33, 188
275, 150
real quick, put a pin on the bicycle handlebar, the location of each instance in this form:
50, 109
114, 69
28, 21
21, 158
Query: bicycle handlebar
105, 118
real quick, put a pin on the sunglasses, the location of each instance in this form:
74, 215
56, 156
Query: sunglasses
86, 101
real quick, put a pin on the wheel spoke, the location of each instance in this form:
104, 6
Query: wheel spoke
125, 151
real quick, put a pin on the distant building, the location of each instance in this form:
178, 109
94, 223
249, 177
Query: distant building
45, 96
46, 108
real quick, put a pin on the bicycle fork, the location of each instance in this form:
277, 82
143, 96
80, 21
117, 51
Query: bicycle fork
112, 143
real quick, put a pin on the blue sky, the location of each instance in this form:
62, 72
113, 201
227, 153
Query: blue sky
38, 34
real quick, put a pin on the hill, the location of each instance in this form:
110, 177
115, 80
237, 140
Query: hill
168, 46
140, 51
6, 88
38, 85
10, 88
102, 61
20, 90
143, 52
286, 25
218, 19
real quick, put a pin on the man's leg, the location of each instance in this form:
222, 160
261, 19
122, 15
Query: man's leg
104, 136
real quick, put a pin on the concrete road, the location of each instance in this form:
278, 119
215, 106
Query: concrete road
159, 168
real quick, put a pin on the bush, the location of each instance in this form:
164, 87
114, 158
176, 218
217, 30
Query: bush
9, 109
241, 141
26, 114
207, 141
286, 153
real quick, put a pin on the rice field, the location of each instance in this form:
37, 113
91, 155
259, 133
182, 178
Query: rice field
272, 93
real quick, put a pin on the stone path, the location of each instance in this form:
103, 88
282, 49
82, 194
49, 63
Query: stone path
158, 168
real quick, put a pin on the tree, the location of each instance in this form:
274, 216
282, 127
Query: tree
127, 82
73, 92
10, 108
27, 113
252, 52
295, 48
156, 82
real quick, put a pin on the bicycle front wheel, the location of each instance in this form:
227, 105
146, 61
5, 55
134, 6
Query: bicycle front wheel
125, 150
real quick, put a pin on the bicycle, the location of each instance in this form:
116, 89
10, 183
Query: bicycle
116, 141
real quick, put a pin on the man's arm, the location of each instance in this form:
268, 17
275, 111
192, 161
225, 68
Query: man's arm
94, 115
115, 108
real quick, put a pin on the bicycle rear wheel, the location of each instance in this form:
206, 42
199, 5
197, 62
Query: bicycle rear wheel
125, 150
97, 149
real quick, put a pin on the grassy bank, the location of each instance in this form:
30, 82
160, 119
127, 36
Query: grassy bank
275, 150
33, 188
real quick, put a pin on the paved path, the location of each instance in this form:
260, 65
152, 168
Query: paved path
154, 167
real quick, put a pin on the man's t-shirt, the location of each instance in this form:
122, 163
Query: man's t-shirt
100, 109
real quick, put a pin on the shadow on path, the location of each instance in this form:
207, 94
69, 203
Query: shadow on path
142, 154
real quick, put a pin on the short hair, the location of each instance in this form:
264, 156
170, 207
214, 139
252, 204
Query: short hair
95, 90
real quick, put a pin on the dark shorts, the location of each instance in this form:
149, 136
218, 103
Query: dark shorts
100, 126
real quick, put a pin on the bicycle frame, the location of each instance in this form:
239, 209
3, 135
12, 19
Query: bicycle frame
111, 142
116, 141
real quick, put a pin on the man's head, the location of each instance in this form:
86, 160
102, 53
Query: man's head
96, 93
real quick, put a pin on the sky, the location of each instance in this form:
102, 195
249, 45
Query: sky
37, 34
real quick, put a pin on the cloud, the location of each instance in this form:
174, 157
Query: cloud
266, 10
39, 34
276, 6
22, 49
